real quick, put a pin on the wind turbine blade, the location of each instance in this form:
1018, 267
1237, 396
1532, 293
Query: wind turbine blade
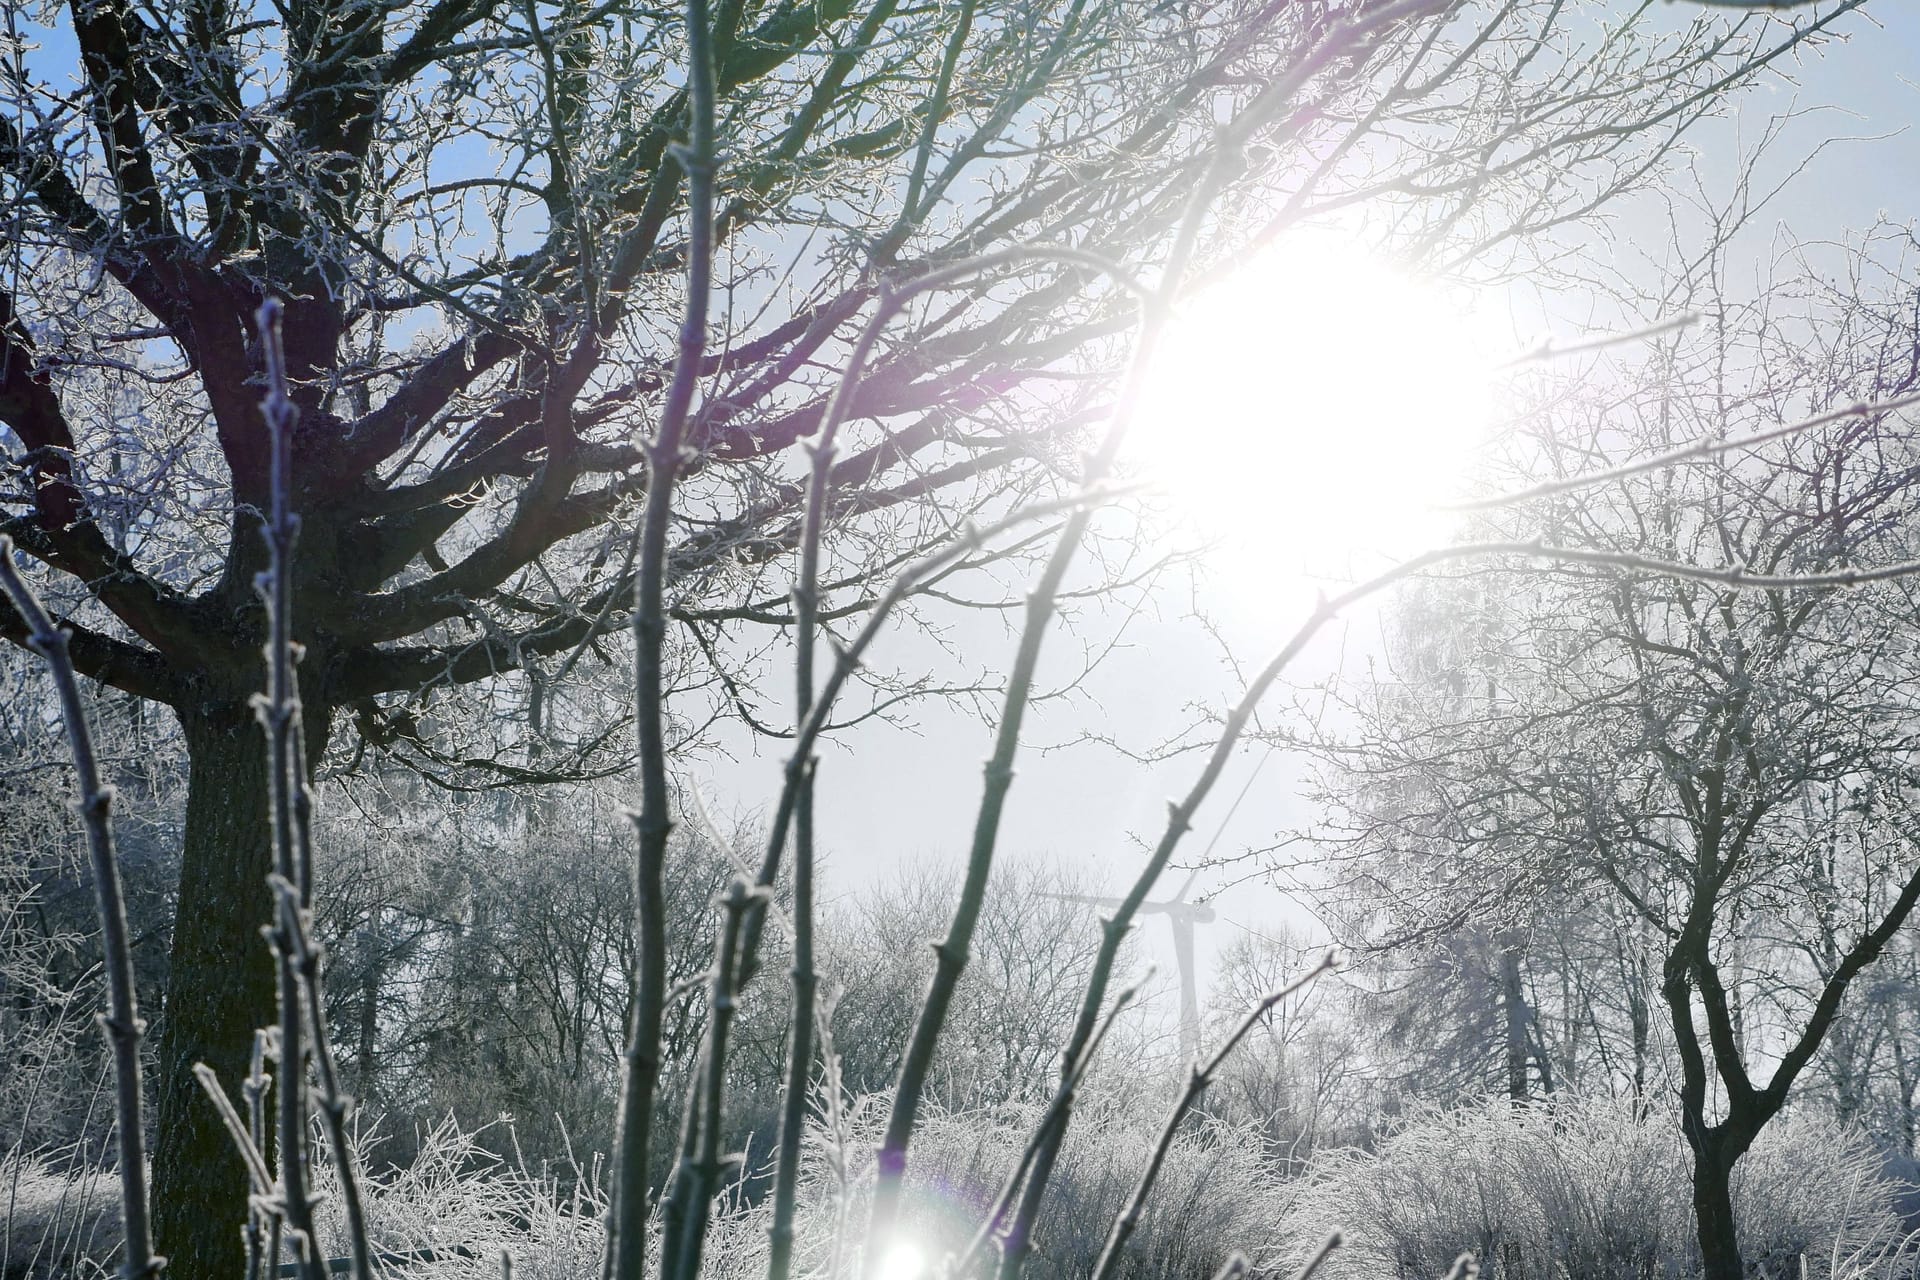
1081, 897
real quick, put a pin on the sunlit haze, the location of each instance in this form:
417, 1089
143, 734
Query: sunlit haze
905, 1260
1308, 411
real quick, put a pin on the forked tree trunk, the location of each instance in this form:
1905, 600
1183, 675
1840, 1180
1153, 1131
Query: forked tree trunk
219, 988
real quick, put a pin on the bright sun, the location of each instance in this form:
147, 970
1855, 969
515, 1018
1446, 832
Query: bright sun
1309, 410
903, 1261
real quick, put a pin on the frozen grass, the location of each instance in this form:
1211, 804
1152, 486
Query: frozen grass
1214, 1196
1586, 1190
459, 1202
1578, 1190
54, 1223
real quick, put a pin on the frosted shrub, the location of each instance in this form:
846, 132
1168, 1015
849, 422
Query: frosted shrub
1215, 1194
53, 1223
1814, 1186
460, 1202
1586, 1189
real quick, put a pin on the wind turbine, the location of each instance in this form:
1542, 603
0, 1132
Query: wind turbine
1182, 916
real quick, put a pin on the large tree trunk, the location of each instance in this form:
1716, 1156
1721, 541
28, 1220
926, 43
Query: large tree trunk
219, 989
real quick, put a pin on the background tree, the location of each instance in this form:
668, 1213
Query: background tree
1304, 1080
1732, 767
50, 975
474, 215
1032, 955
482, 961
1866, 1071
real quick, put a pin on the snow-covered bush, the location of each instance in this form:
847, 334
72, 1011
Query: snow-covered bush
1586, 1189
54, 1222
1215, 1194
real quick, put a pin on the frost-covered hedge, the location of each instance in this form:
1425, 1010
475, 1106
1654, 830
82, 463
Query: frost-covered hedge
1589, 1189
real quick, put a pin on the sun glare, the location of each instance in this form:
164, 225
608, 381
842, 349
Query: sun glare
903, 1261
1308, 411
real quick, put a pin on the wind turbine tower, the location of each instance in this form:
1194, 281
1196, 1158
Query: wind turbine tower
1182, 917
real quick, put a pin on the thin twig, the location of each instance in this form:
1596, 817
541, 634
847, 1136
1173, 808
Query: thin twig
279, 714
299, 956
249, 1151
1548, 349
1052, 1119
263, 1248
121, 1024
335, 1107
1320, 1256
700, 1177
1707, 447
793, 1094
837, 1139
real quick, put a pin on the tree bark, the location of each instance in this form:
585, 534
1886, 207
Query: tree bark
1637, 1012
220, 987
1513, 1000
370, 1001
1713, 1213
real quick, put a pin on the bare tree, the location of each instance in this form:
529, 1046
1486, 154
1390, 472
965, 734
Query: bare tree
1304, 1077
1032, 957
1732, 767
480, 217
481, 961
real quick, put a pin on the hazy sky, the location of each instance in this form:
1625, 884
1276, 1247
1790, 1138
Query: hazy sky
889, 795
